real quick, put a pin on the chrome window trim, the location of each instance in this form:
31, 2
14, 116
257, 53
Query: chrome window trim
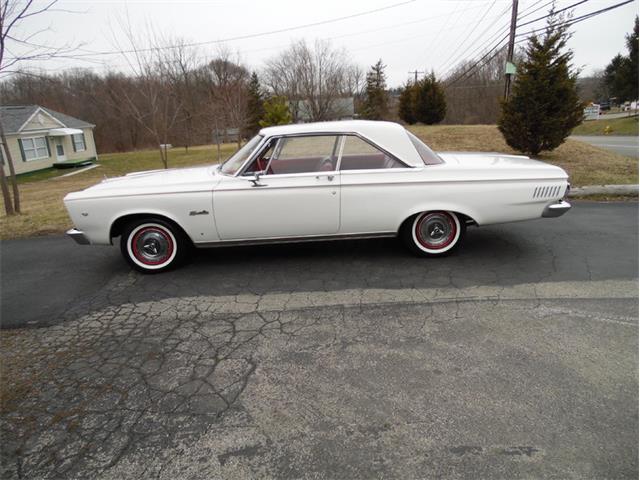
252, 157
244, 165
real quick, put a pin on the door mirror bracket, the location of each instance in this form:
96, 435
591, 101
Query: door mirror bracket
255, 179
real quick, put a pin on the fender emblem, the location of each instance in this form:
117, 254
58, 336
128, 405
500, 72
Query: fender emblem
201, 212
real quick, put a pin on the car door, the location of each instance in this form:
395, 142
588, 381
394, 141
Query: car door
297, 194
375, 188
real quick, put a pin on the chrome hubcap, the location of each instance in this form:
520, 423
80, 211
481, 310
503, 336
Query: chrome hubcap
152, 246
436, 230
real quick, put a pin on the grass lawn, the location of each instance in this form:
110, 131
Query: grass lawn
619, 126
44, 213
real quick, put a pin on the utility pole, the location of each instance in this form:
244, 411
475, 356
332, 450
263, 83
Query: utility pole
509, 67
415, 73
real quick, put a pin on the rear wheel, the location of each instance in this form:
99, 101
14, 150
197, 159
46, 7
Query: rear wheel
153, 245
433, 234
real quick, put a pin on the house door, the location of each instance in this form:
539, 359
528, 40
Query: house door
60, 156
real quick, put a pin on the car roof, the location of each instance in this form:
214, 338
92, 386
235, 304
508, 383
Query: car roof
391, 136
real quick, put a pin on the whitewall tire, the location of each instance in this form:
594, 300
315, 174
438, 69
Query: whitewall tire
435, 233
152, 246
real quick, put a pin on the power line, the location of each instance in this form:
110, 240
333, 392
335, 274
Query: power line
471, 32
497, 47
415, 73
555, 12
572, 21
523, 15
567, 23
450, 63
252, 35
512, 40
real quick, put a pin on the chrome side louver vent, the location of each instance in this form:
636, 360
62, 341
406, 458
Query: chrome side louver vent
546, 191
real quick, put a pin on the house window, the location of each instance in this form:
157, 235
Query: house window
35, 148
78, 142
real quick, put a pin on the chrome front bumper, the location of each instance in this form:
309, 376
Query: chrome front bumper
556, 209
78, 236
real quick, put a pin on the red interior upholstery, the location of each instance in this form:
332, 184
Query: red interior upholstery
362, 161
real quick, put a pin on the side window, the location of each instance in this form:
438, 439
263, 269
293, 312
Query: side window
428, 156
360, 155
316, 153
261, 162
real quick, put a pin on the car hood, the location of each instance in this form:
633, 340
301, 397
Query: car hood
500, 164
153, 181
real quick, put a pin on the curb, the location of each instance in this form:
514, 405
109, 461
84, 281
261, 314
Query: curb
603, 190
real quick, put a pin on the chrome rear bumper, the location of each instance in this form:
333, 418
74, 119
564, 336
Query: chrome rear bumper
78, 236
556, 209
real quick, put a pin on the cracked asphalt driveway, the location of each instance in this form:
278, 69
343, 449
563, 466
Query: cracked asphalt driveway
515, 358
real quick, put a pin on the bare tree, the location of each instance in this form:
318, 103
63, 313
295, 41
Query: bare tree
25, 47
474, 91
312, 78
178, 67
227, 84
153, 103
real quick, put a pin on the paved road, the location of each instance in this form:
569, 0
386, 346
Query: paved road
517, 357
610, 116
624, 145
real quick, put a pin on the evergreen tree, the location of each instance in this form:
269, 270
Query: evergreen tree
376, 101
544, 107
430, 103
621, 75
632, 46
407, 103
276, 112
255, 106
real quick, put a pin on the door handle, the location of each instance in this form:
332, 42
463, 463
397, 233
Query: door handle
329, 177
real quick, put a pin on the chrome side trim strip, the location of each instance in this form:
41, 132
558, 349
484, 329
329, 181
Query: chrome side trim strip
310, 238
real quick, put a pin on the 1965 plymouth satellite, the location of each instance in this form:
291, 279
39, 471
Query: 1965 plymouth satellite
333, 180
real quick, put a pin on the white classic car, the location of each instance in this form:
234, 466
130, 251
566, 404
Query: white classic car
319, 181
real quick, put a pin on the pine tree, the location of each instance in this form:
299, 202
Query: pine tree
406, 104
430, 102
621, 75
276, 112
632, 46
544, 106
255, 106
376, 101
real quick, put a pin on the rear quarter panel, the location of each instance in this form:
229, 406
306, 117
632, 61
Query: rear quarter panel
380, 201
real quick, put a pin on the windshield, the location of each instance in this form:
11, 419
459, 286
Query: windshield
233, 164
428, 156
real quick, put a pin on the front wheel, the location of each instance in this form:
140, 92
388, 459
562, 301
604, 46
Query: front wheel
152, 246
433, 234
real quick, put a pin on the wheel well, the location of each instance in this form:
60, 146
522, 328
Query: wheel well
118, 226
466, 219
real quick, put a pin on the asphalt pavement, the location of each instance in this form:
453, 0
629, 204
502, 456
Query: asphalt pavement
516, 357
626, 145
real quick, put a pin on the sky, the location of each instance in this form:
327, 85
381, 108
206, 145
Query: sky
407, 35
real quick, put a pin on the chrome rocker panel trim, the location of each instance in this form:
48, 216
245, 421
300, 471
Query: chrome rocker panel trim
78, 236
556, 209
311, 238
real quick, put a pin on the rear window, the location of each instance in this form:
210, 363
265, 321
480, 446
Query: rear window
428, 156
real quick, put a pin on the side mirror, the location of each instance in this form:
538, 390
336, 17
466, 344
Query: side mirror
255, 179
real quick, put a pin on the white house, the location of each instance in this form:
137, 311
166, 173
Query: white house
39, 138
